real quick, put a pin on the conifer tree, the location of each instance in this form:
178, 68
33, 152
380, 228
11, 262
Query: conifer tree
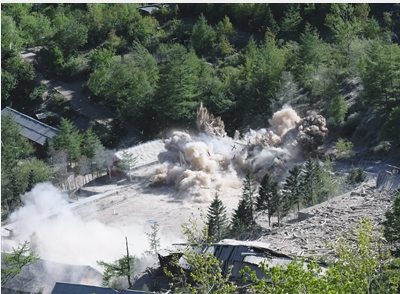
268, 196
391, 229
217, 220
69, 140
311, 182
292, 188
243, 216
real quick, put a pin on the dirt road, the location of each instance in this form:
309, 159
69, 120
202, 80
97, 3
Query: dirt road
81, 103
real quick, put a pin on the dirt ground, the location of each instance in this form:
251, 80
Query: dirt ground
136, 203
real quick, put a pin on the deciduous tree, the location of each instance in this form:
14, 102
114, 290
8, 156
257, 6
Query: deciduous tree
12, 263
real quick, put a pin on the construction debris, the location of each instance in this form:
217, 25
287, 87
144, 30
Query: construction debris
208, 124
326, 221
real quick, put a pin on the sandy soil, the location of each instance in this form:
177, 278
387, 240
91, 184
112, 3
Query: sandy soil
135, 203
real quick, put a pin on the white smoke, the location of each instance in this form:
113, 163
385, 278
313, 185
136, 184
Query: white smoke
57, 233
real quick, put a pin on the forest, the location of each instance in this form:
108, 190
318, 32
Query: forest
243, 61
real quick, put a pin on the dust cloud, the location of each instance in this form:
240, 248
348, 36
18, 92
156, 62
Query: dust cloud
57, 233
212, 162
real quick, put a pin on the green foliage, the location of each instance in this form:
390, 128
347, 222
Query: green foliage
390, 130
338, 109
154, 240
291, 21
260, 75
202, 272
329, 182
70, 34
381, 76
217, 220
344, 148
292, 190
392, 223
14, 150
11, 42
36, 29
69, 140
16, 82
177, 94
268, 199
382, 148
126, 162
123, 267
344, 25
311, 182
243, 217
100, 58
60, 105
12, 263
355, 176
360, 268
128, 87
202, 37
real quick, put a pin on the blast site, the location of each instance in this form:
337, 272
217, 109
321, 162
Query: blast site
176, 178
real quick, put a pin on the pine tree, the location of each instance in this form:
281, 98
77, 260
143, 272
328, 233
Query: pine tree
69, 140
217, 220
391, 225
292, 188
268, 196
311, 182
243, 216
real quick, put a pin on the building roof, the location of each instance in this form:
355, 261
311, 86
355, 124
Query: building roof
32, 129
66, 288
43, 275
237, 254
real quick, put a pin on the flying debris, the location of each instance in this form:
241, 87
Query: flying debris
199, 166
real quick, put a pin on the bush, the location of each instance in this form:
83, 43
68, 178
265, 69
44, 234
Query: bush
382, 148
75, 69
60, 105
355, 176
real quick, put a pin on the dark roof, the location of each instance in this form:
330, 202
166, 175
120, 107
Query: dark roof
65, 288
44, 274
32, 129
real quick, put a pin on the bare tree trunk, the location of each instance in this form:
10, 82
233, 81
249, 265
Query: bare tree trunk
129, 265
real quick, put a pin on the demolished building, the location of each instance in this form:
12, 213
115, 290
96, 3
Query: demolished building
232, 254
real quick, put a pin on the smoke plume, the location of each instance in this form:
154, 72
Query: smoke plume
200, 166
57, 233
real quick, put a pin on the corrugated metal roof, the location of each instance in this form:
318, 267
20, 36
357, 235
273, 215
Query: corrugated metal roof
32, 129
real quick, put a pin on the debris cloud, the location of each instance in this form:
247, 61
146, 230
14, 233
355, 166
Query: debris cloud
200, 166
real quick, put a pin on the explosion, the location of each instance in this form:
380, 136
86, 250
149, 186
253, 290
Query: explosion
212, 162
